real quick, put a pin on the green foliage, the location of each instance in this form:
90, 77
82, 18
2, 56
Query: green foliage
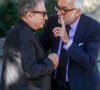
8, 14
50, 4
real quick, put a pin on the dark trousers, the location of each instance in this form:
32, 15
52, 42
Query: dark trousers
55, 85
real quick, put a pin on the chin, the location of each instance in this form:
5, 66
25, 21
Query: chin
39, 27
42, 26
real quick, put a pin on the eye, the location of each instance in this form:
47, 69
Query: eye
64, 8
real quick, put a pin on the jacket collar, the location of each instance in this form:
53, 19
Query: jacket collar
81, 29
22, 22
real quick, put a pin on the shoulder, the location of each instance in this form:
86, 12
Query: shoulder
21, 31
90, 21
91, 25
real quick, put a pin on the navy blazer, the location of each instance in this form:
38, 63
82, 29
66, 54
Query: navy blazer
83, 73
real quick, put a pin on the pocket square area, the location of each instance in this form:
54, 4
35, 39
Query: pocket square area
80, 44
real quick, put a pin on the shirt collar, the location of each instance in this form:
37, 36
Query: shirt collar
75, 24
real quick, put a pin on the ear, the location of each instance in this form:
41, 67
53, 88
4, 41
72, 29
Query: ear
78, 13
29, 15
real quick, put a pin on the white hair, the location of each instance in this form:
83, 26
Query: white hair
79, 4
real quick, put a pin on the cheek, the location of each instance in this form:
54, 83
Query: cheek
39, 20
72, 16
39, 23
67, 19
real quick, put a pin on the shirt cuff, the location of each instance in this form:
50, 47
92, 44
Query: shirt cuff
67, 46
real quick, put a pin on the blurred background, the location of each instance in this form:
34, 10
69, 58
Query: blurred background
8, 17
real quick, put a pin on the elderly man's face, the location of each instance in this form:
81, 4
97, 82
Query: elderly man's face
66, 9
38, 16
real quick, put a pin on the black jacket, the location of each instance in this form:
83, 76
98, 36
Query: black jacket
25, 66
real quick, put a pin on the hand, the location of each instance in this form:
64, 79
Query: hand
61, 32
54, 58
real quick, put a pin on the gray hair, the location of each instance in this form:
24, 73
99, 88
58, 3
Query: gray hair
27, 5
79, 4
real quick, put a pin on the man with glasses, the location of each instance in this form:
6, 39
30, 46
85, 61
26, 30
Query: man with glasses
25, 65
75, 37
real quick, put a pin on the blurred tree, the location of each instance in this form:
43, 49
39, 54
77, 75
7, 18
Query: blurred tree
50, 4
8, 16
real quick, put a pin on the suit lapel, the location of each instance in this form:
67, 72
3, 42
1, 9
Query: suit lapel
80, 31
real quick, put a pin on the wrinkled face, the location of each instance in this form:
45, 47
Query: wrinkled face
38, 16
66, 9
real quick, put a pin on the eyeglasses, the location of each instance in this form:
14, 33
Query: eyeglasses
44, 13
63, 9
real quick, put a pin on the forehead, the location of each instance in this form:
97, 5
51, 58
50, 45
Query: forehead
40, 6
67, 3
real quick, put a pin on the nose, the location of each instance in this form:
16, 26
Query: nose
59, 13
46, 17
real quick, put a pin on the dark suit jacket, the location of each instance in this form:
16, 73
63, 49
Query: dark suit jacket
25, 66
83, 73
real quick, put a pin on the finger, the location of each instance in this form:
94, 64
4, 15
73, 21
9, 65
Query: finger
62, 23
57, 35
56, 29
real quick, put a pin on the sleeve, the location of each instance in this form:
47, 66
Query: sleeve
32, 67
67, 46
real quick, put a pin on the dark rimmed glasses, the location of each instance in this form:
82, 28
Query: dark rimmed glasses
44, 13
63, 9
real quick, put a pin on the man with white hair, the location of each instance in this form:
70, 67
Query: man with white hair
76, 39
